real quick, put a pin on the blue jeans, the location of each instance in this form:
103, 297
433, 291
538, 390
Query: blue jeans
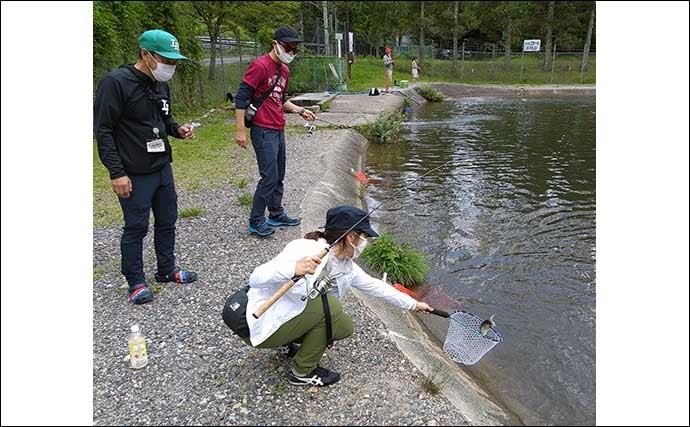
269, 146
152, 191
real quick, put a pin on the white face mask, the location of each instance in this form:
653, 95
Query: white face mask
284, 57
359, 248
163, 72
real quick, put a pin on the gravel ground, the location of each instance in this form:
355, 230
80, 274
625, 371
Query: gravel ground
199, 372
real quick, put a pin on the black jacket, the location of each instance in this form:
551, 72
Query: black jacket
128, 106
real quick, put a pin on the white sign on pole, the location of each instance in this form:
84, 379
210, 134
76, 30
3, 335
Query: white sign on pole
338, 36
531, 46
351, 42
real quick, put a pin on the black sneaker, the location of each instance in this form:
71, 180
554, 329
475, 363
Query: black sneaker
289, 350
320, 377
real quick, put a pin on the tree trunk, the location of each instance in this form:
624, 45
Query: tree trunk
455, 39
585, 54
326, 45
212, 62
549, 36
347, 41
506, 59
222, 62
421, 36
239, 47
301, 24
318, 37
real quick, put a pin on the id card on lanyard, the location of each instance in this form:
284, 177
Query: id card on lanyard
156, 145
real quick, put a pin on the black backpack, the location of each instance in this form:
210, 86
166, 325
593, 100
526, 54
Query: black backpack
235, 313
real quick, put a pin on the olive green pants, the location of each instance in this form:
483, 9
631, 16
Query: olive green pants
309, 328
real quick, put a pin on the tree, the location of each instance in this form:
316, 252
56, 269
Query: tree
590, 27
455, 37
212, 15
421, 35
117, 26
549, 35
507, 34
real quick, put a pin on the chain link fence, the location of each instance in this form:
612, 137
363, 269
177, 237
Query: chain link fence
307, 74
191, 87
491, 66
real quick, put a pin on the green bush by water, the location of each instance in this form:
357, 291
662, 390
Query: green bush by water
386, 129
403, 264
429, 93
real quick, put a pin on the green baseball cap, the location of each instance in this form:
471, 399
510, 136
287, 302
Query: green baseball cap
161, 42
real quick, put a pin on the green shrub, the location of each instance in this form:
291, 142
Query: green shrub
325, 106
403, 264
429, 93
385, 129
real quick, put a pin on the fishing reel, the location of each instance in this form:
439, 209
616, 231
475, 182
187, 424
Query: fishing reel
310, 127
320, 287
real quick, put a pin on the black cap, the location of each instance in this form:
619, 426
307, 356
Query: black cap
344, 217
287, 34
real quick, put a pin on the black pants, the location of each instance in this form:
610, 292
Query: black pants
269, 146
153, 191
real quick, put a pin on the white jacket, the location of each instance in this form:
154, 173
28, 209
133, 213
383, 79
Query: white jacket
267, 278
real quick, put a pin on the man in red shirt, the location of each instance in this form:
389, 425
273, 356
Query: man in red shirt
269, 73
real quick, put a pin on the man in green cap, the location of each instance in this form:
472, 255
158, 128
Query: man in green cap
132, 123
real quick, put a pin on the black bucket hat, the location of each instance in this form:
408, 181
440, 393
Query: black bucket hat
344, 217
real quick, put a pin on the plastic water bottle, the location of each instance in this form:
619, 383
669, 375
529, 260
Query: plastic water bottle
137, 348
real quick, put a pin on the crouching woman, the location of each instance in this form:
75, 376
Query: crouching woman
303, 322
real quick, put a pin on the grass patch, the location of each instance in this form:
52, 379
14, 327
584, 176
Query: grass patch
325, 106
278, 389
191, 212
367, 72
246, 200
403, 264
241, 183
432, 384
98, 273
429, 93
209, 161
385, 129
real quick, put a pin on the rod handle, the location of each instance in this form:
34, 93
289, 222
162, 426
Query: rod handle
440, 313
283, 289
275, 297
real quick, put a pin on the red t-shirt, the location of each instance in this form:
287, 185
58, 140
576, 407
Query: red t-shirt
261, 75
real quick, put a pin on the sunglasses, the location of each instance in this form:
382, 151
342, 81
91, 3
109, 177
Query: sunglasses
289, 49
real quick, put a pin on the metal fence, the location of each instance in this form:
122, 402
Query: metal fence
490, 66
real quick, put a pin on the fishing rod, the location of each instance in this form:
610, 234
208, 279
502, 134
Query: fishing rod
290, 283
330, 123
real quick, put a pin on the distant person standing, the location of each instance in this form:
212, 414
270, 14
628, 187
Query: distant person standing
415, 70
264, 86
388, 64
132, 121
